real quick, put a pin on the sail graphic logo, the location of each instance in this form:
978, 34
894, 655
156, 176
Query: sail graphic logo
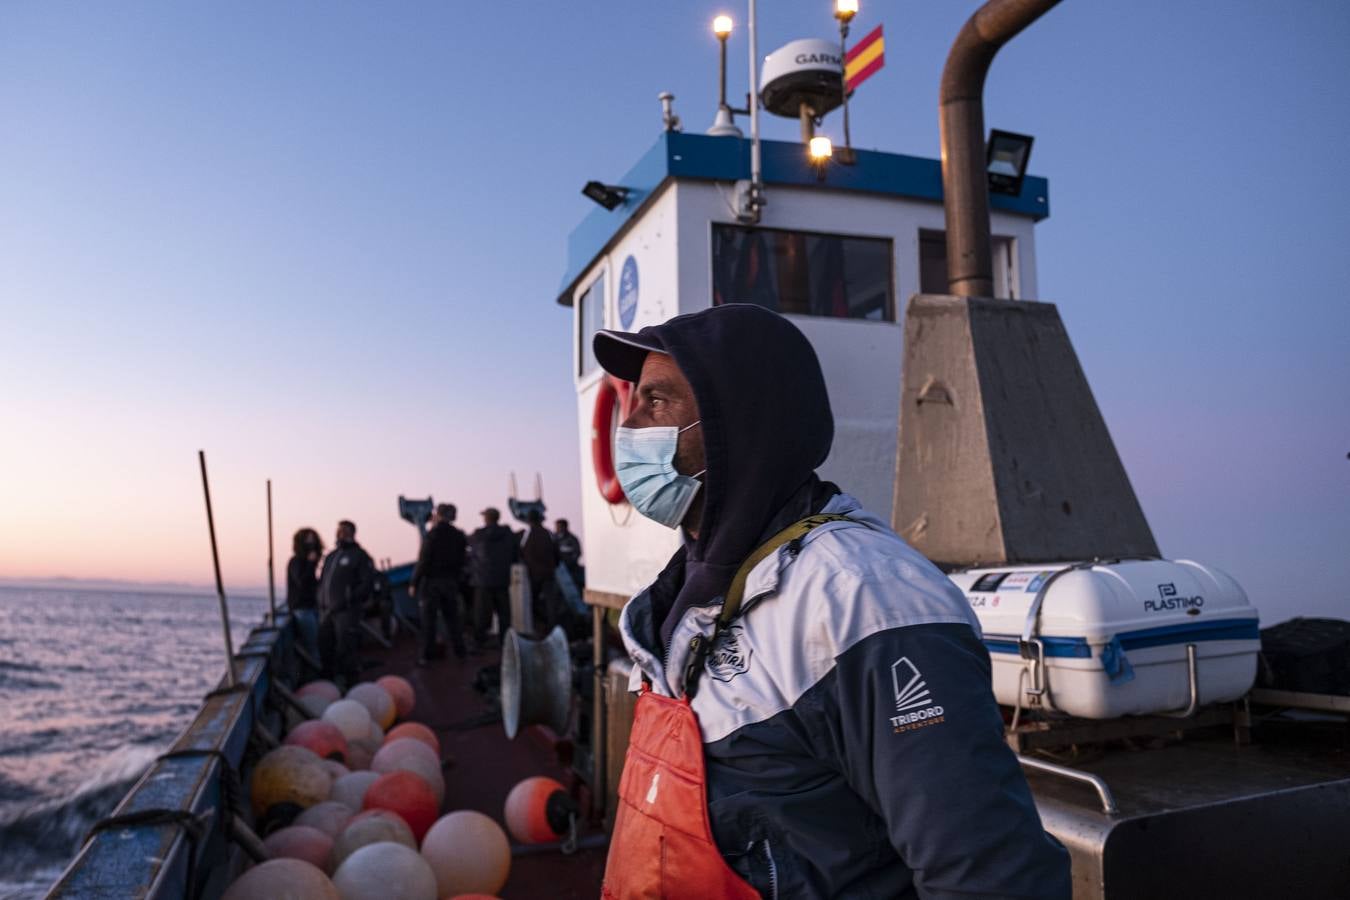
913, 699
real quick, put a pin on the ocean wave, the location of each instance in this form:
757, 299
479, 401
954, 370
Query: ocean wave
44, 834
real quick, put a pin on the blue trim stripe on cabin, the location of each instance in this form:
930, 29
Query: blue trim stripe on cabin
701, 157
1185, 633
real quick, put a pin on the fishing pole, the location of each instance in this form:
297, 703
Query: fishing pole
220, 585
271, 580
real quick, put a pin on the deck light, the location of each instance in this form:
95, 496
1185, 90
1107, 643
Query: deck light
1006, 162
722, 27
821, 150
608, 196
844, 10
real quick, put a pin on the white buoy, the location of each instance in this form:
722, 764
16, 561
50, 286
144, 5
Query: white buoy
384, 871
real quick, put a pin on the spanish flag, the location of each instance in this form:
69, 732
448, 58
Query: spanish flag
864, 58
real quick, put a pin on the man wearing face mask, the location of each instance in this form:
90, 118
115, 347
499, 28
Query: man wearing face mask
814, 716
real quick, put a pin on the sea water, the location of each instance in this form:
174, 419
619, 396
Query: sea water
93, 686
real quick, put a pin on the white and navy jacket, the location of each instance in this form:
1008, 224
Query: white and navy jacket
852, 742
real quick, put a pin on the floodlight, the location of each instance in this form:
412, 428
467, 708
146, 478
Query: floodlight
1006, 162
608, 196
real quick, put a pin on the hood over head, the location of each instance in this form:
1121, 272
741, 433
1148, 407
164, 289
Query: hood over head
766, 427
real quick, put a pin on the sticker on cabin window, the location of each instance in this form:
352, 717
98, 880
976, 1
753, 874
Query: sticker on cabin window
628, 293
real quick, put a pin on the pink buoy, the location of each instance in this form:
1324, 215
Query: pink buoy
418, 732
324, 738
402, 692
409, 755
329, 817
282, 879
322, 689
373, 827
408, 795
300, 842
469, 854
384, 871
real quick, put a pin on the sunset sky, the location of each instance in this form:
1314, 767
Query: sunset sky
322, 242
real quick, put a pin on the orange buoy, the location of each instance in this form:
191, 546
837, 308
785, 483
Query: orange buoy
408, 795
300, 842
411, 755
469, 854
324, 738
538, 810
282, 879
382, 871
377, 702
286, 781
402, 692
418, 732
373, 827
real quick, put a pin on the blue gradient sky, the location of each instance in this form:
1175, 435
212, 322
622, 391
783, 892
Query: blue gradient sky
323, 240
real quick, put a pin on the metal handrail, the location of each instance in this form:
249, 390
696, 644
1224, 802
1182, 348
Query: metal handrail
1103, 791
1194, 703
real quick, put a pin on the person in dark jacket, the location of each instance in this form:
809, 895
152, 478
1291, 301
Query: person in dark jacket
569, 548
835, 680
495, 549
435, 583
541, 560
302, 588
345, 586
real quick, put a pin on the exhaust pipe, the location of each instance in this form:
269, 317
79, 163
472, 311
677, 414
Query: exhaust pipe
965, 189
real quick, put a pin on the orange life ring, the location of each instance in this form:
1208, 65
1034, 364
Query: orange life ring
612, 398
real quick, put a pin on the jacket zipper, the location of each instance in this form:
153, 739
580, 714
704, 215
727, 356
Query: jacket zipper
773, 871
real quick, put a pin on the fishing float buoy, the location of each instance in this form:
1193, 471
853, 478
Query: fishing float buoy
324, 738
418, 732
335, 769
377, 702
315, 706
402, 692
374, 827
350, 790
300, 842
282, 879
469, 854
329, 817
351, 718
382, 871
359, 756
320, 688
286, 781
539, 810
408, 795
406, 754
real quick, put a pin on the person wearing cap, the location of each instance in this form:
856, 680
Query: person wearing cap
540, 556
495, 548
435, 583
347, 582
814, 716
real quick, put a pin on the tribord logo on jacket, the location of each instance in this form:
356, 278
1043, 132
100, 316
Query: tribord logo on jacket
913, 700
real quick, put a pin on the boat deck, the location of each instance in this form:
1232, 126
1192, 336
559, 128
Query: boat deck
487, 765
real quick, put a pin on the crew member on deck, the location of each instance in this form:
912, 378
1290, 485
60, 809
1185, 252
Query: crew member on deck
345, 585
494, 548
302, 588
569, 549
435, 583
815, 716
541, 560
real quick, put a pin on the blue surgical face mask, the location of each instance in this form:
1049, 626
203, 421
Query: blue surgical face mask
644, 460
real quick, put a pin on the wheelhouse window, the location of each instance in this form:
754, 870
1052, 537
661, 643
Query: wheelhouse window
590, 319
933, 264
804, 273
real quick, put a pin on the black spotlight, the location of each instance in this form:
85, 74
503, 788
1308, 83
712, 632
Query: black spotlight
606, 195
1007, 161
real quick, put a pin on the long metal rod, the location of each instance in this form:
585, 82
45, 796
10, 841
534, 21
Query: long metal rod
965, 188
1103, 791
220, 585
271, 578
756, 176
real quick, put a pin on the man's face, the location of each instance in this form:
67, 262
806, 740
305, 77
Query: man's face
345, 534
489, 519
664, 397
